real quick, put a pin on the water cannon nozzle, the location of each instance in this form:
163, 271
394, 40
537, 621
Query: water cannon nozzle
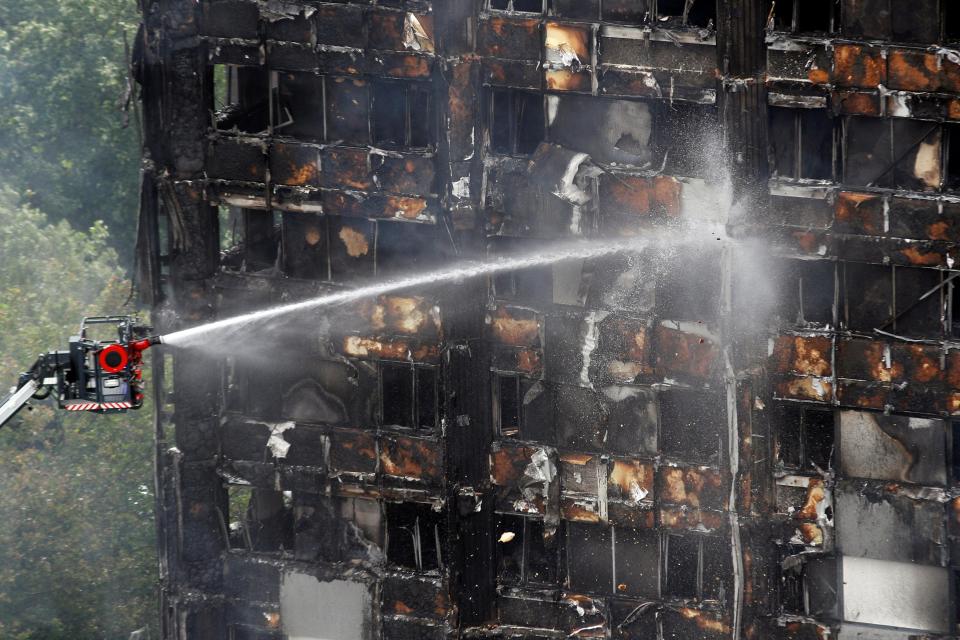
146, 343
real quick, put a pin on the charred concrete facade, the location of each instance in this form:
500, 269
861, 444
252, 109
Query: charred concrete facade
752, 440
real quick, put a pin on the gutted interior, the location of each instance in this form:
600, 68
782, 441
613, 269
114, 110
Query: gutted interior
759, 438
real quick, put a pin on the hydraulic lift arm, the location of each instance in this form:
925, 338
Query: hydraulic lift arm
15, 401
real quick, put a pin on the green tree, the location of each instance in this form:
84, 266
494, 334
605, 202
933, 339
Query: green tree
77, 543
63, 146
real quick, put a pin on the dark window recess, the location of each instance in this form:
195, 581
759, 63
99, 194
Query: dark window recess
955, 451
578, 9
894, 20
426, 381
526, 285
347, 110
698, 13
682, 566
508, 405
683, 132
259, 519
589, 561
523, 556
637, 558
305, 246
630, 11
688, 288
403, 114
299, 106
916, 315
692, 424
955, 308
804, 16
814, 16
510, 537
916, 21
952, 177
527, 6
240, 98
805, 437
409, 395
951, 21
396, 393
716, 570
806, 292
867, 296
261, 232
802, 143
517, 122
403, 249
414, 536
894, 153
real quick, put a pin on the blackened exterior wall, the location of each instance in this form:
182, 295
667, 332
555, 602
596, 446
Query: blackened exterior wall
752, 440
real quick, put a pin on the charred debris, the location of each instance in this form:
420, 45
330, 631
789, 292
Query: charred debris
627, 448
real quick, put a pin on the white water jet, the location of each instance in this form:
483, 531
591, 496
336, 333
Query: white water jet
549, 255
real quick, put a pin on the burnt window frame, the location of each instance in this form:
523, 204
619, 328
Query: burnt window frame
896, 323
249, 541
801, 437
799, 159
794, 273
278, 122
795, 25
609, 533
390, 511
704, 559
513, 147
415, 372
524, 578
520, 381
411, 90
658, 17
887, 179
509, 6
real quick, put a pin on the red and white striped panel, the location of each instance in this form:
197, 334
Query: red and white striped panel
82, 406
93, 406
116, 405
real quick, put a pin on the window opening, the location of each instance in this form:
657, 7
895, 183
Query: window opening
240, 98
523, 556
694, 13
508, 405
299, 105
402, 114
918, 302
894, 153
408, 395
692, 425
414, 536
259, 519
630, 11
867, 296
807, 292
517, 122
683, 566
802, 143
525, 6
805, 437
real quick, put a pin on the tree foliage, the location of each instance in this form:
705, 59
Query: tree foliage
77, 557
63, 146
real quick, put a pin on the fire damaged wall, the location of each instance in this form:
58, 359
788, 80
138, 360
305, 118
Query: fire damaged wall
750, 437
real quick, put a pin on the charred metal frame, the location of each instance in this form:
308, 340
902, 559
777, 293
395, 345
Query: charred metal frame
624, 448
